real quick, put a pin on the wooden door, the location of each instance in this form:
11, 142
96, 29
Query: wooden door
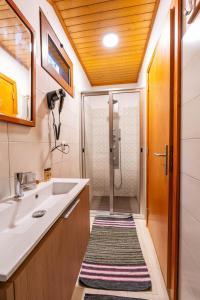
8, 96
160, 93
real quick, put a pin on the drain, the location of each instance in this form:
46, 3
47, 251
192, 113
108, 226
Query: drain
39, 213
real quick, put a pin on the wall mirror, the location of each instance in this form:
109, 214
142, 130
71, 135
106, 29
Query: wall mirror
17, 66
54, 58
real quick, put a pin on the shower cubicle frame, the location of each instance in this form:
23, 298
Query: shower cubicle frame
110, 94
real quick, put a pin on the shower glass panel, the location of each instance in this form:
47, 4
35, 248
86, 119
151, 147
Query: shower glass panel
111, 150
126, 152
96, 150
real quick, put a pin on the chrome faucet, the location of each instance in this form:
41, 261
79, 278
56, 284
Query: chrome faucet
24, 181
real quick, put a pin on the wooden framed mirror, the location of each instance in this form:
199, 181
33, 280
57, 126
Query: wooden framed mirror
54, 57
17, 66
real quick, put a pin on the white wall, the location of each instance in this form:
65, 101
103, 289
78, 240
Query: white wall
28, 149
10, 67
115, 87
189, 287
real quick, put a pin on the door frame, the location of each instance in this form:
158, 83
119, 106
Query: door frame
110, 93
176, 131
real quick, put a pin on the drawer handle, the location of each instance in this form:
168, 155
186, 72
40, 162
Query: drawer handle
66, 215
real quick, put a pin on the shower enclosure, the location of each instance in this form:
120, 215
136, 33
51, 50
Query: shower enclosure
111, 150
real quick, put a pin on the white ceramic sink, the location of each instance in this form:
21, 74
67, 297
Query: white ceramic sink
14, 211
20, 232
63, 187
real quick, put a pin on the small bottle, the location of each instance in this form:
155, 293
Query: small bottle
47, 174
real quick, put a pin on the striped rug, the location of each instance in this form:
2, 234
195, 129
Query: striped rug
106, 297
114, 259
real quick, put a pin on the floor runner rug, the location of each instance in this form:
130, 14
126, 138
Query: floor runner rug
114, 259
106, 297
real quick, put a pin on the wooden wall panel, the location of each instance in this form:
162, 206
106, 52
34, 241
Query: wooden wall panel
87, 21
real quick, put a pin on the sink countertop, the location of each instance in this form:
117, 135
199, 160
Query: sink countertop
17, 243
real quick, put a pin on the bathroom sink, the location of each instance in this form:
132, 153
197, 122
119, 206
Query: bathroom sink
46, 196
63, 187
24, 221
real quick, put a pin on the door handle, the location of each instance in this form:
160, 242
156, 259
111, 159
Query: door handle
165, 155
68, 213
160, 154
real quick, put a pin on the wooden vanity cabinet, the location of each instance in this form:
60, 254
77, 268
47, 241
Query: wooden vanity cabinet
7, 291
76, 232
51, 270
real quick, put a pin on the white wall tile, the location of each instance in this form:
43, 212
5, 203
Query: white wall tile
40, 133
189, 276
4, 188
189, 267
190, 232
190, 157
191, 43
3, 132
190, 119
4, 160
41, 104
4, 171
29, 156
190, 86
190, 192
56, 170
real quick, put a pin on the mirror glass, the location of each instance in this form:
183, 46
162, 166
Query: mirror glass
15, 64
56, 60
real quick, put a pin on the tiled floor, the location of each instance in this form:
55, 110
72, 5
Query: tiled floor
121, 204
158, 287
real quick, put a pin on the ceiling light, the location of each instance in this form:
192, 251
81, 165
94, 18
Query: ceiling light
110, 40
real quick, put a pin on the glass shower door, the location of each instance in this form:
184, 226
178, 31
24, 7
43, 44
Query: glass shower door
96, 149
111, 150
126, 152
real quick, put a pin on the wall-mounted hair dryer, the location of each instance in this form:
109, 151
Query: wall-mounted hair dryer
52, 97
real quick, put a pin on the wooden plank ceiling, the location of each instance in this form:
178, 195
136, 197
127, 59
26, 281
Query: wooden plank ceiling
87, 21
14, 36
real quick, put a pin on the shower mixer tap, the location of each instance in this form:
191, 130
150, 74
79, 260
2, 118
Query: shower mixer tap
116, 147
